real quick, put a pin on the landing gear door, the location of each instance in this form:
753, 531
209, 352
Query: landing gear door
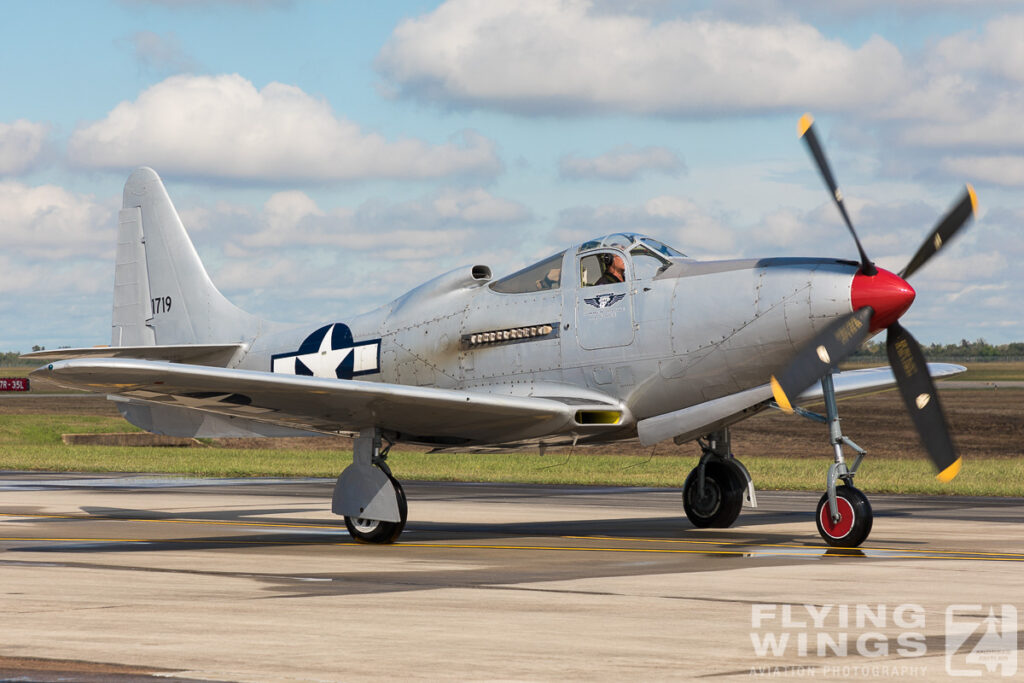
604, 300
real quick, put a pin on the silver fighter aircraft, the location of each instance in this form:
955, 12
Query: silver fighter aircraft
620, 337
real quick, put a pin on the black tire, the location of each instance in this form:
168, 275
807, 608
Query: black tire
855, 518
720, 504
375, 531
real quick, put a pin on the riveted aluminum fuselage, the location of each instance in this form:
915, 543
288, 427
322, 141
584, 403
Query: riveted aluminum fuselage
694, 332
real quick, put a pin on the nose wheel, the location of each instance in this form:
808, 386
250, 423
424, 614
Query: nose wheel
852, 523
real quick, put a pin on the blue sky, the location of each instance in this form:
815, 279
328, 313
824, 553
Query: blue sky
328, 156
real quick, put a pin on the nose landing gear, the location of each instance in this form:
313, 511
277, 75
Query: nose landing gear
843, 516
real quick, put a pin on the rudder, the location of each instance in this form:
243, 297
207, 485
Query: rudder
162, 293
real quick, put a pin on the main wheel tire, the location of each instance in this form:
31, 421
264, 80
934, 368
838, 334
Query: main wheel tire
855, 518
722, 498
376, 531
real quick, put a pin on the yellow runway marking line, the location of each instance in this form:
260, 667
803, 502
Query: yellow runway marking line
626, 539
207, 541
749, 549
464, 546
808, 552
100, 518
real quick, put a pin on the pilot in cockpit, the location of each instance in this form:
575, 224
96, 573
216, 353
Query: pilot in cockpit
614, 269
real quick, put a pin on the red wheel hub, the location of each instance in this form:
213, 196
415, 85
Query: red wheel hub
840, 529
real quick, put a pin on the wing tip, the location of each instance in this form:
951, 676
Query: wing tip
947, 475
780, 396
805, 122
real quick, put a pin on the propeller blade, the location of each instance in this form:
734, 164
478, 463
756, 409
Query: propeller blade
922, 401
805, 128
832, 346
944, 231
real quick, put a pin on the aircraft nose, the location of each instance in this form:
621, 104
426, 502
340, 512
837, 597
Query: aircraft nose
887, 293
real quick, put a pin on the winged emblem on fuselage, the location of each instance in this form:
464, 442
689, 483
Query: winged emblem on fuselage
604, 300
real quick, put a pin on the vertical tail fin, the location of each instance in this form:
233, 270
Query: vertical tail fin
162, 293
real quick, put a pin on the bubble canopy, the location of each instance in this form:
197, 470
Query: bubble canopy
547, 274
627, 240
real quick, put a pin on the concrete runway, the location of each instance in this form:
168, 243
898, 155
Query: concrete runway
126, 577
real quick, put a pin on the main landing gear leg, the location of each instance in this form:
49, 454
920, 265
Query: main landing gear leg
370, 498
844, 514
718, 486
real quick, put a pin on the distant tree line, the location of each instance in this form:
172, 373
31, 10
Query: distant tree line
9, 358
978, 350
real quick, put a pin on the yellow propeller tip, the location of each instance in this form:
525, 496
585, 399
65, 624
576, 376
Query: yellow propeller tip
805, 122
974, 198
780, 396
947, 475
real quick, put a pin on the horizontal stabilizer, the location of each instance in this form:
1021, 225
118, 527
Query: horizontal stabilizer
218, 355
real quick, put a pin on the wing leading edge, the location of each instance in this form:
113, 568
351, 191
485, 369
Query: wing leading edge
690, 423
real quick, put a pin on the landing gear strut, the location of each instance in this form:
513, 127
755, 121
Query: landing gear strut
368, 495
844, 514
718, 486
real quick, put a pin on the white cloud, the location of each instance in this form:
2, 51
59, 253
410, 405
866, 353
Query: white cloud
1000, 169
161, 53
72, 279
966, 98
224, 127
56, 267
996, 125
205, 5
50, 223
625, 162
292, 259
998, 50
432, 224
22, 144
563, 57
677, 221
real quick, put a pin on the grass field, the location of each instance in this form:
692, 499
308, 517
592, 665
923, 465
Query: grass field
781, 452
989, 477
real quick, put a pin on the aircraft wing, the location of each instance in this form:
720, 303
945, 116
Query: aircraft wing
324, 405
703, 418
850, 383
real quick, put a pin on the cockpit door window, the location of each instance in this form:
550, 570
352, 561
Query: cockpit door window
602, 268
